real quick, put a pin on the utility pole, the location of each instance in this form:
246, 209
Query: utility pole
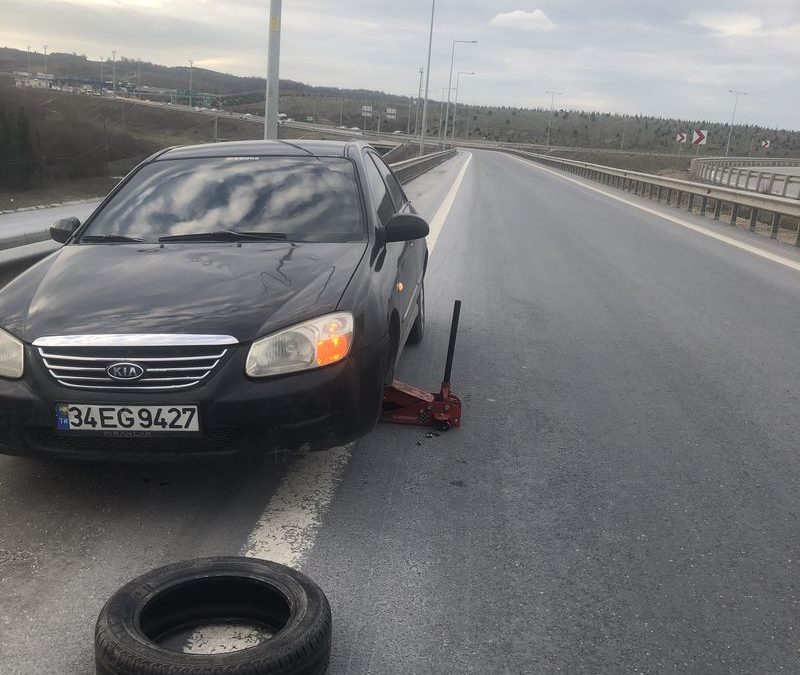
553, 95
427, 83
273, 72
419, 97
450, 82
455, 106
341, 115
737, 94
408, 128
29, 60
191, 65
441, 113
102, 84
45, 62
139, 79
114, 73
624, 129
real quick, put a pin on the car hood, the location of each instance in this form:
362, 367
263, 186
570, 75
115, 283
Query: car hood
245, 291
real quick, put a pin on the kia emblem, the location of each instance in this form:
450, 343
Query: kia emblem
125, 372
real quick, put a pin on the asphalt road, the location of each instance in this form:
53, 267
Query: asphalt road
621, 499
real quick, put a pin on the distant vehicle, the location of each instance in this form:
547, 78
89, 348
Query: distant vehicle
343, 127
397, 133
282, 337
355, 130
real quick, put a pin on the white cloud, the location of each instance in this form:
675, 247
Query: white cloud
536, 20
729, 23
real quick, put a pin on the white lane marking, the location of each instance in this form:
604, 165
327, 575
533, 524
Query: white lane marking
285, 532
225, 638
438, 221
755, 250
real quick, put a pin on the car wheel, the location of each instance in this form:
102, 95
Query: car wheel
134, 629
418, 329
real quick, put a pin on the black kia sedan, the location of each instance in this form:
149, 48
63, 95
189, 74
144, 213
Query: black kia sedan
224, 299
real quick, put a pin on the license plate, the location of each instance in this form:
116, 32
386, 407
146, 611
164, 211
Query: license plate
123, 420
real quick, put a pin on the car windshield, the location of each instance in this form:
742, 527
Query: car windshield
306, 199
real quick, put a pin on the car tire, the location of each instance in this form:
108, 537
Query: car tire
418, 329
199, 592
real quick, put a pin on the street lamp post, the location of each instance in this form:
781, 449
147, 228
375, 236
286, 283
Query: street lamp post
553, 95
114, 73
273, 100
427, 83
416, 106
45, 62
29, 60
450, 83
737, 94
455, 105
191, 64
441, 113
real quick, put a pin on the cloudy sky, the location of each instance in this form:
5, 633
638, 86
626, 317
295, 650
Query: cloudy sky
667, 57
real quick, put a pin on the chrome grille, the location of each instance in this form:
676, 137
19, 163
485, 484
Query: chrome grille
165, 368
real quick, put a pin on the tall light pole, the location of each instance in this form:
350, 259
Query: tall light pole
553, 95
273, 72
450, 82
737, 94
624, 129
45, 62
102, 83
455, 106
114, 73
191, 65
427, 83
441, 113
416, 107
29, 60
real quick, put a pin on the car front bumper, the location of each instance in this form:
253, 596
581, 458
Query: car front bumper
312, 410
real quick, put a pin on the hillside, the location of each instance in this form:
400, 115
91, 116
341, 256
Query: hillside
574, 128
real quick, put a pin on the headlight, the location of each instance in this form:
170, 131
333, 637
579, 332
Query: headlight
308, 345
12, 356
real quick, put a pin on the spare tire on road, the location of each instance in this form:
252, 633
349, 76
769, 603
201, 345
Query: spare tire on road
139, 619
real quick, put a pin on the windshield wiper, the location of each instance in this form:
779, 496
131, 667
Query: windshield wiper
226, 235
93, 238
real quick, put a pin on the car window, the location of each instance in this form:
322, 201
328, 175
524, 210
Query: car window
380, 193
305, 198
396, 192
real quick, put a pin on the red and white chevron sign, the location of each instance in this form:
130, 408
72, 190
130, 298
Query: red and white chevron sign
700, 137
681, 137
765, 143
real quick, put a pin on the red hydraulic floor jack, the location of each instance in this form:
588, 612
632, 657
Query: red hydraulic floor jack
404, 404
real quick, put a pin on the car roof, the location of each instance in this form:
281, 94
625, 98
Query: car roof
259, 148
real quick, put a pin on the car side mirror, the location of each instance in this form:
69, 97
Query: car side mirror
63, 229
406, 227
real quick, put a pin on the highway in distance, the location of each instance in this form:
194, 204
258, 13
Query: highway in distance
622, 497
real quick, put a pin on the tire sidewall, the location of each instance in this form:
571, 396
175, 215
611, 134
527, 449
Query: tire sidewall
120, 645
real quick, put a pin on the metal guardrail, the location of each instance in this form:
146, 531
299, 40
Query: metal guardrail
16, 260
413, 168
698, 198
737, 172
24, 254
